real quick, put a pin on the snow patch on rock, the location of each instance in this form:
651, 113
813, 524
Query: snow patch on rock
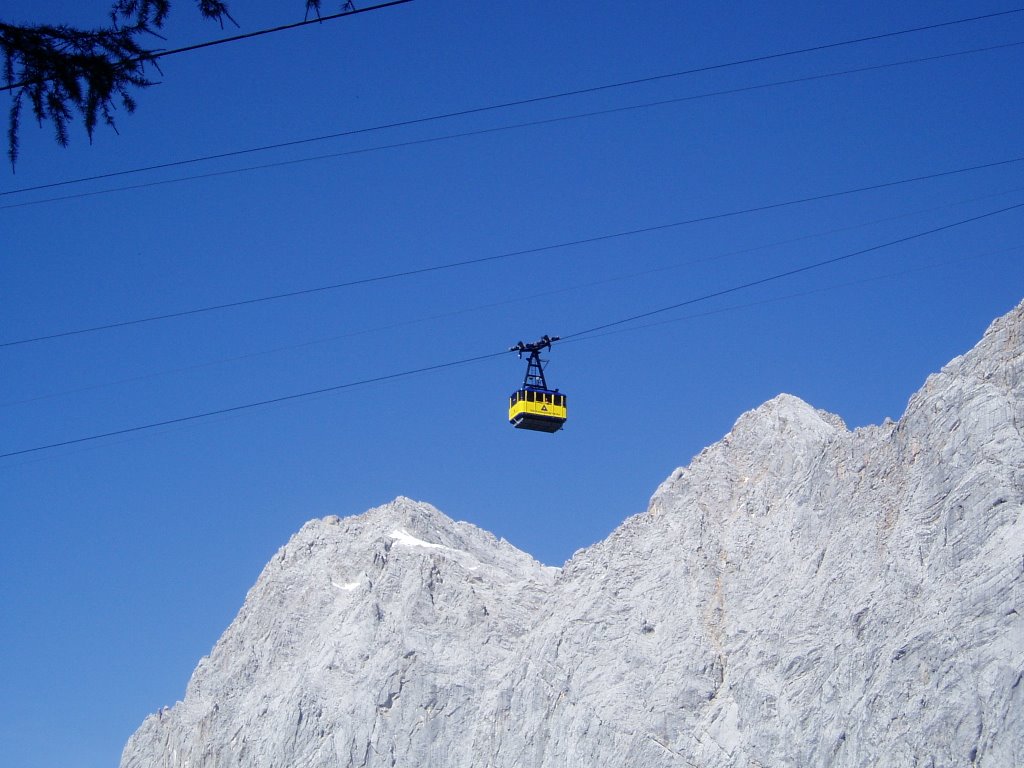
407, 539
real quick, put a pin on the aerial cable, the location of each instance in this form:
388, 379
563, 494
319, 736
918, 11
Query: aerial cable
478, 358
246, 406
520, 299
735, 307
767, 57
352, 11
449, 137
791, 272
500, 128
500, 256
762, 302
796, 295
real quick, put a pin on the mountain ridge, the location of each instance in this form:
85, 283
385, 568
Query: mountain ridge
799, 594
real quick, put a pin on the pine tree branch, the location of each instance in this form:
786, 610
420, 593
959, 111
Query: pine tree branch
60, 70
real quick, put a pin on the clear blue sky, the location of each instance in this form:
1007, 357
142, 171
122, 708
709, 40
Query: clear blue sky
124, 559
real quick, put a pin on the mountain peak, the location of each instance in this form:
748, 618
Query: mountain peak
776, 438
418, 517
789, 416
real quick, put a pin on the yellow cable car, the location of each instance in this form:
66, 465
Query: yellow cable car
534, 406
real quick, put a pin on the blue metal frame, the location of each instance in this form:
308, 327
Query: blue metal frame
534, 378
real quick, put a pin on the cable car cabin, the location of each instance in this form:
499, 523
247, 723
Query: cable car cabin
542, 410
534, 406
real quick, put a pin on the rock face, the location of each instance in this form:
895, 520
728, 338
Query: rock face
799, 595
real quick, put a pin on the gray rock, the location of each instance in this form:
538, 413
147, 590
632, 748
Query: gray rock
799, 595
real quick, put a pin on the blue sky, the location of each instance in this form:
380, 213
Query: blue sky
125, 558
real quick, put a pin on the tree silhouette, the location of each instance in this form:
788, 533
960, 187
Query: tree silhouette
60, 70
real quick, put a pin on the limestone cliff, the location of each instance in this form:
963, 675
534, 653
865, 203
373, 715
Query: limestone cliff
799, 595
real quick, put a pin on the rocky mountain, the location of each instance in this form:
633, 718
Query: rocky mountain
799, 595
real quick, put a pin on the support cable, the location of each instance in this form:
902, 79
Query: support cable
791, 272
246, 406
477, 358
448, 137
500, 256
523, 298
798, 294
158, 54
